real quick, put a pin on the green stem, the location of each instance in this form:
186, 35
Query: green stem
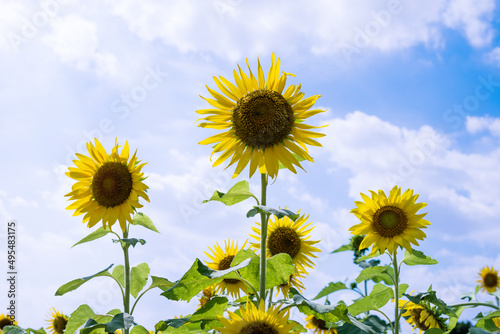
388, 320
270, 298
396, 292
126, 304
475, 304
263, 239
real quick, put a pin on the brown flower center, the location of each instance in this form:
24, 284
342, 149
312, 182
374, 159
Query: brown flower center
490, 280
112, 184
59, 324
420, 323
262, 118
5, 322
389, 221
258, 327
284, 240
224, 264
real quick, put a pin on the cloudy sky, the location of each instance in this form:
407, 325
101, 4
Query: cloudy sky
411, 90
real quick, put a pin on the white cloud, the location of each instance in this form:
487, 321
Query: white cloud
380, 155
494, 56
76, 42
475, 124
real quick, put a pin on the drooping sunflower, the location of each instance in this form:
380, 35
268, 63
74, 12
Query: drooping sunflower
6, 321
320, 326
222, 259
264, 122
422, 316
57, 322
294, 281
208, 293
255, 320
287, 236
489, 279
391, 221
108, 186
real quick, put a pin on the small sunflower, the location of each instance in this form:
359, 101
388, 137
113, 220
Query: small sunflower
255, 320
264, 122
57, 322
286, 236
222, 259
6, 321
391, 221
319, 326
293, 282
208, 293
108, 187
421, 316
489, 279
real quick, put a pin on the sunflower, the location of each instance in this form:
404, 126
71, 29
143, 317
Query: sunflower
108, 186
208, 293
255, 320
391, 221
319, 326
496, 321
421, 316
294, 281
57, 322
6, 321
222, 259
264, 122
286, 236
489, 279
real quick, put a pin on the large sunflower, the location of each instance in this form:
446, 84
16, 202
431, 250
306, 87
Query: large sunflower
319, 326
255, 320
108, 187
489, 279
391, 221
421, 316
222, 259
287, 236
57, 322
264, 122
6, 321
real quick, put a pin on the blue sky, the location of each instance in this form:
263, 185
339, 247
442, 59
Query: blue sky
411, 91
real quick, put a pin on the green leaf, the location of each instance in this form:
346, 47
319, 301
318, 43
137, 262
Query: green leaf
372, 263
215, 306
378, 297
279, 213
138, 329
344, 248
130, 241
328, 313
279, 268
74, 284
143, 220
431, 297
163, 325
34, 331
385, 277
119, 274
417, 257
114, 311
330, 288
99, 233
120, 320
368, 256
138, 278
198, 277
78, 318
160, 282
238, 193
370, 272
434, 331
487, 323
13, 330
251, 271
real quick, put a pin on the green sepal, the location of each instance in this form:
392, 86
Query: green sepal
327, 313
215, 306
99, 233
130, 241
119, 321
279, 213
417, 258
138, 278
330, 288
371, 272
198, 277
143, 220
74, 284
238, 193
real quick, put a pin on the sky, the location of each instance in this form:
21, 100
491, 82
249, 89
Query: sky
411, 93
